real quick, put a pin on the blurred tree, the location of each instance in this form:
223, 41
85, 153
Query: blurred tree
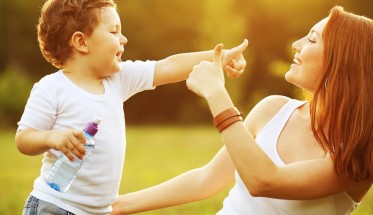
272, 26
3, 45
158, 28
220, 23
14, 91
22, 49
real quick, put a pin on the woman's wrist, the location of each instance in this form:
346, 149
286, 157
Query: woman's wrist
219, 101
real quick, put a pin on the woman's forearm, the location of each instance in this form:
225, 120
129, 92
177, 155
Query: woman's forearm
252, 164
191, 186
185, 188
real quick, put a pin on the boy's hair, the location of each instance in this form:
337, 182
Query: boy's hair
60, 19
341, 110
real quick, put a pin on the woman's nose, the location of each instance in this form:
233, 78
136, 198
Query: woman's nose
296, 45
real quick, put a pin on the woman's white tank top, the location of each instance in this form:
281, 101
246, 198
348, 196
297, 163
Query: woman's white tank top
240, 202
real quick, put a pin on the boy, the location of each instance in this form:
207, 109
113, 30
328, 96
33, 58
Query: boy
83, 39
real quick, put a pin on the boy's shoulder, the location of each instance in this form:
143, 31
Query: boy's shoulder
51, 78
50, 82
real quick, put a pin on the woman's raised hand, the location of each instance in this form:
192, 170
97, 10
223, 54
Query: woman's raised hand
207, 77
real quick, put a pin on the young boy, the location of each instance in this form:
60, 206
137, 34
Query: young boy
83, 39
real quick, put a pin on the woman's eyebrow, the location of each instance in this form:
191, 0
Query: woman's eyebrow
316, 32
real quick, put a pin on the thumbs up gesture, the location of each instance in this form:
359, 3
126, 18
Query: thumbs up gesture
233, 61
207, 77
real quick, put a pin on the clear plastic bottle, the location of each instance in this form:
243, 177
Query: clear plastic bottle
64, 171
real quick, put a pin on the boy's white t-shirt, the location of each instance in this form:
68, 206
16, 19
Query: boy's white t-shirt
240, 202
56, 103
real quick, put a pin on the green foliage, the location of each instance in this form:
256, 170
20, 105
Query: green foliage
14, 90
159, 28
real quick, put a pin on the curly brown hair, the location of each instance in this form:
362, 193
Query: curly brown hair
60, 19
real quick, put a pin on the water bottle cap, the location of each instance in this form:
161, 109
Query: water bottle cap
92, 127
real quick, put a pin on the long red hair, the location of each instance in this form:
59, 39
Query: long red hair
342, 105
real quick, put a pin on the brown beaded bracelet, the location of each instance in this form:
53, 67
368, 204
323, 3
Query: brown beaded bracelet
227, 118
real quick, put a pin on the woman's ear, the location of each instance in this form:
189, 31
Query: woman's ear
78, 42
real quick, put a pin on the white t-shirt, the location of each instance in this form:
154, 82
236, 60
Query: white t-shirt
240, 202
56, 103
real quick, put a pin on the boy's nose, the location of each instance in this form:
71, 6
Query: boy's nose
123, 40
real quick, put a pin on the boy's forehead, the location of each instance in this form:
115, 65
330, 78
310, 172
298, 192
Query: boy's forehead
109, 15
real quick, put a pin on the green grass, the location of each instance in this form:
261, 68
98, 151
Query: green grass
154, 154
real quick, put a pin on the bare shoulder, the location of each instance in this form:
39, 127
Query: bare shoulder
264, 111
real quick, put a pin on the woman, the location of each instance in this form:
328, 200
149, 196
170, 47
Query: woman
288, 156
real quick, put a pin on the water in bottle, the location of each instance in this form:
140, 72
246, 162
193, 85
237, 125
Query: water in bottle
64, 171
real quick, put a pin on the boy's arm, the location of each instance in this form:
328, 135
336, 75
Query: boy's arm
35, 142
177, 67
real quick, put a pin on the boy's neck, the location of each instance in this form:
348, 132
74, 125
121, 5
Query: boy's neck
78, 71
85, 79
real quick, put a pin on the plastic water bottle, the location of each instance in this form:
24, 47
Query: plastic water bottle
64, 171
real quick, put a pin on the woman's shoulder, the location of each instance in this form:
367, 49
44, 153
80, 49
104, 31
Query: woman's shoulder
274, 101
264, 111
270, 105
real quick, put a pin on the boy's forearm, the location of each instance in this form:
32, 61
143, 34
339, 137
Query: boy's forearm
32, 142
177, 67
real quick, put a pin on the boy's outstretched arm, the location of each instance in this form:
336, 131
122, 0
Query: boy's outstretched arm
177, 67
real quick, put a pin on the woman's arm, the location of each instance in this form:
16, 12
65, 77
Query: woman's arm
301, 180
177, 67
191, 186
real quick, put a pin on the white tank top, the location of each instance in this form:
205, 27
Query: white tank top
239, 201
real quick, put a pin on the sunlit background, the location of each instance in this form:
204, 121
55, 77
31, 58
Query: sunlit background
159, 28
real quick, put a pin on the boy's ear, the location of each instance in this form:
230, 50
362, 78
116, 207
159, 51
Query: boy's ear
78, 41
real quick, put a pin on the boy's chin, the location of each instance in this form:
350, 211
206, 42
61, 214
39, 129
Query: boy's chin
117, 67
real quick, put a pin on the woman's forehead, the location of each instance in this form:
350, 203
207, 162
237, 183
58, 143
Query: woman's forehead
319, 27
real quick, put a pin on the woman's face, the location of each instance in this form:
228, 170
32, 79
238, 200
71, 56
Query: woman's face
308, 60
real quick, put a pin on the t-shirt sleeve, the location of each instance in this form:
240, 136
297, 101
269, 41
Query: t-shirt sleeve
40, 110
136, 77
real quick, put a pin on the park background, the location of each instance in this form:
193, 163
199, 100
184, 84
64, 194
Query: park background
169, 129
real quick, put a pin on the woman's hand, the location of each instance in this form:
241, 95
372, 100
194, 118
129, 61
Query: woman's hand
233, 61
207, 77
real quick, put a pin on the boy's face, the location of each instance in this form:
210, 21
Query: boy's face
105, 44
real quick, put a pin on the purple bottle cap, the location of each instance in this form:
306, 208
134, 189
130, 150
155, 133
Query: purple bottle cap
92, 127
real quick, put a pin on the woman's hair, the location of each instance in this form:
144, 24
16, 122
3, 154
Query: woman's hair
342, 105
60, 19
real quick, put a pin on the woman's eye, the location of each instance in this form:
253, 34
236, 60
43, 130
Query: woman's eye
311, 41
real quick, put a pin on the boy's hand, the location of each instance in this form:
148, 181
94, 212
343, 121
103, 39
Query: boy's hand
68, 141
233, 61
